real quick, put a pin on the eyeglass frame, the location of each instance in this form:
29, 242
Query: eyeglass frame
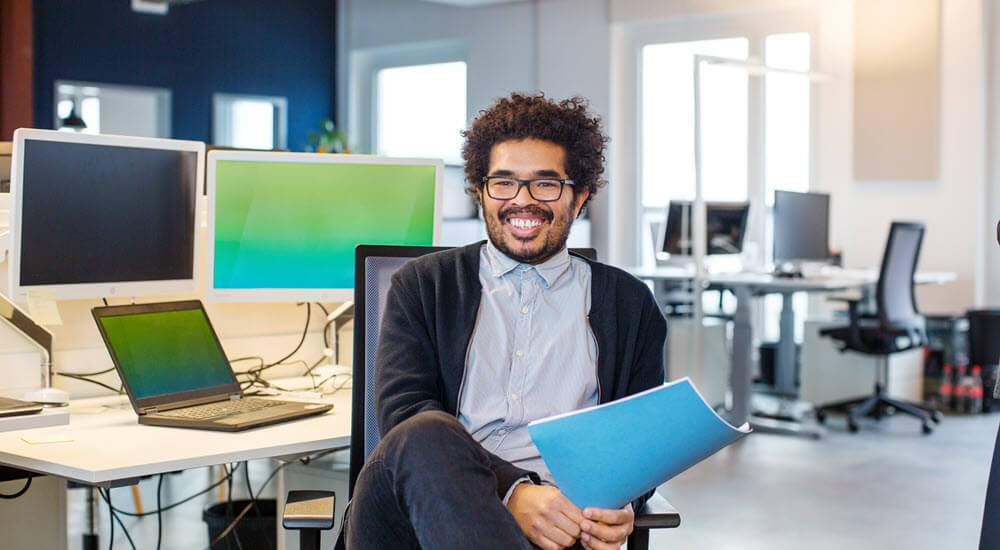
526, 183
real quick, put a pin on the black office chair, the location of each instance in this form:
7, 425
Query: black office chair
895, 326
374, 266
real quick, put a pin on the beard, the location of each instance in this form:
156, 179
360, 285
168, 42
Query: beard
534, 250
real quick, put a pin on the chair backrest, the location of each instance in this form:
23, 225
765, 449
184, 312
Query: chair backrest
984, 336
373, 269
897, 304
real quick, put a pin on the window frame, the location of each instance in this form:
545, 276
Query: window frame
222, 117
632, 38
365, 65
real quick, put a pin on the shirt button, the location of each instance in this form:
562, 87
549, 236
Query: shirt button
524, 309
519, 353
501, 431
513, 397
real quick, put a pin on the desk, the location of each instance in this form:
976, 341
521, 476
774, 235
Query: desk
746, 285
111, 449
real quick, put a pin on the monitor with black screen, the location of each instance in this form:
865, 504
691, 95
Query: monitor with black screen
801, 227
725, 225
98, 215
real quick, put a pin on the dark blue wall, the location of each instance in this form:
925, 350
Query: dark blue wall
267, 47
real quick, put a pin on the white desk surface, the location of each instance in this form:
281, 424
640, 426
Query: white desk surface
111, 446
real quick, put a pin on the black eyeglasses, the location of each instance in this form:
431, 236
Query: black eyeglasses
503, 188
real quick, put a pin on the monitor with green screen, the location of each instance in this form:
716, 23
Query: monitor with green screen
283, 226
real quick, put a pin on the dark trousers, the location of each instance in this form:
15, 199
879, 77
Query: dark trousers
428, 485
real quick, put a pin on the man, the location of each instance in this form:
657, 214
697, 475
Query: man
478, 341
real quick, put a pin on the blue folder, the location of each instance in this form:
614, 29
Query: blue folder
606, 456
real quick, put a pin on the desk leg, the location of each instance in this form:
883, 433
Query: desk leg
785, 354
741, 366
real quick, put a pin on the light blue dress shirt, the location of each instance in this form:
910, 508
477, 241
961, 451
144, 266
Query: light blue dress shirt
532, 354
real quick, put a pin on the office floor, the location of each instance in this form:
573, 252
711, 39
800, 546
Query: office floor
887, 486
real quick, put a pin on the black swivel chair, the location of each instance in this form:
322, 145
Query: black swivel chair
895, 326
374, 266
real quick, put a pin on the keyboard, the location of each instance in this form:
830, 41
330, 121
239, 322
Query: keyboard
222, 408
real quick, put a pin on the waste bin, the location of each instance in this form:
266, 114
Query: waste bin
256, 530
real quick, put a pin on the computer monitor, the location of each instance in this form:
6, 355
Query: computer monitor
726, 224
801, 227
98, 215
283, 226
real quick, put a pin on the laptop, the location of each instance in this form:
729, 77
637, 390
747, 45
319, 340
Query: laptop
177, 374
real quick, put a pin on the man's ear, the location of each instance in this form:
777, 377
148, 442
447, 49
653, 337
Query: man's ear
578, 199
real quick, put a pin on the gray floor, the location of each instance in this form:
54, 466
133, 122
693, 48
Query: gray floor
885, 487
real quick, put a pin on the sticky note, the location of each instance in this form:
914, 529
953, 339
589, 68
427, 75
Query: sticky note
48, 438
42, 306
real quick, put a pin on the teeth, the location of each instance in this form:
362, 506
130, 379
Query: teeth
521, 223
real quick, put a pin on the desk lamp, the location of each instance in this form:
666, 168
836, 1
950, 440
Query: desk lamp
42, 338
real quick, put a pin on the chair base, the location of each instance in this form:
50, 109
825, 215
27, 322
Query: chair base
877, 406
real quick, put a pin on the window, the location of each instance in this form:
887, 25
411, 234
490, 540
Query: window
420, 111
667, 122
113, 109
249, 121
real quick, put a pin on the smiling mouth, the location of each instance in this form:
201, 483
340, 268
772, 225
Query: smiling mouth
522, 223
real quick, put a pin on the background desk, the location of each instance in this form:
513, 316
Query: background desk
747, 285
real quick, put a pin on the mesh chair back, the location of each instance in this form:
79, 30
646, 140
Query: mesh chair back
374, 267
895, 294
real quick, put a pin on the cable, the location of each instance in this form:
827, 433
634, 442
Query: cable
229, 510
301, 340
105, 371
114, 516
105, 300
111, 518
85, 379
159, 513
174, 505
27, 484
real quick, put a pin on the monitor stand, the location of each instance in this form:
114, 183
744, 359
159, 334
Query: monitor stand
788, 270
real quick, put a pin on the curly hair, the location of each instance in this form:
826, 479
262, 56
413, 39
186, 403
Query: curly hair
520, 116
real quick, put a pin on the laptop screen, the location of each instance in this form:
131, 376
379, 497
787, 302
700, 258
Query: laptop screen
166, 352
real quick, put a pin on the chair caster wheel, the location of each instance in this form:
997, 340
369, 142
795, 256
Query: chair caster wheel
820, 417
927, 429
936, 417
852, 427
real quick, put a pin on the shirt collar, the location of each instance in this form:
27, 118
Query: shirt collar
549, 270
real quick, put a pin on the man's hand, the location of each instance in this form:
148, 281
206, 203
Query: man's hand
546, 516
606, 529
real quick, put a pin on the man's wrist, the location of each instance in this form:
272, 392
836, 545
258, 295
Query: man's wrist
510, 491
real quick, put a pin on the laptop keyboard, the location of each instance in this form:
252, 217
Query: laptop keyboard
224, 408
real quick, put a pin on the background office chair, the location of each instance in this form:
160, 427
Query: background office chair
374, 267
896, 326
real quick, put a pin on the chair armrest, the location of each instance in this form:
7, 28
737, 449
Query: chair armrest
309, 510
657, 513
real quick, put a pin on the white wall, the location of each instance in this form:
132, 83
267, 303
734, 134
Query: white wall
567, 46
951, 207
992, 252
559, 47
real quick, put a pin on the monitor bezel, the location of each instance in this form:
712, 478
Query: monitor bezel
298, 294
72, 291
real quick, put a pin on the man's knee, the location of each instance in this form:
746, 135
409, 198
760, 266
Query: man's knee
426, 435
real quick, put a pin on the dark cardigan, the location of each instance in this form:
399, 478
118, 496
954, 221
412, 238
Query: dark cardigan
428, 323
